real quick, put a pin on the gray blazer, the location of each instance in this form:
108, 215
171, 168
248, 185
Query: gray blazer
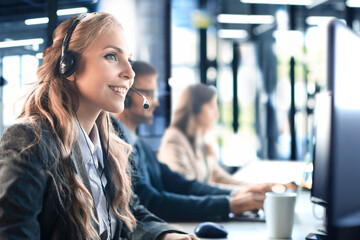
30, 205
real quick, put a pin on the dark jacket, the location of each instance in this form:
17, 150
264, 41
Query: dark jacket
29, 204
168, 194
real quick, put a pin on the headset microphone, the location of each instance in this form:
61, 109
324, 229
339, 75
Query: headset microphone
146, 104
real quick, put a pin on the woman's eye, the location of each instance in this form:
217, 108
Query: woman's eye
111, 57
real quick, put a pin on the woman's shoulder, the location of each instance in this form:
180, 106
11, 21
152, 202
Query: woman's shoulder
174, 137
27, 136
19, 132
174, 133
27, 130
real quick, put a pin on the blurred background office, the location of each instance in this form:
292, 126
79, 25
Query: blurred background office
266, 59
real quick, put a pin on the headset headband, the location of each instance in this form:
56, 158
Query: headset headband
69, 33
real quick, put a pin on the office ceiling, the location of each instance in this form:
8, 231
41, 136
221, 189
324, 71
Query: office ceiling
18, 10
334, 8
14, 12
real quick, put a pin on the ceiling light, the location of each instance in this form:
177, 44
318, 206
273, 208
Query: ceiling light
318, 20
34, 21
353, 3
245, 19
60, 12
282, 2
18, 43
71, 11
232, 33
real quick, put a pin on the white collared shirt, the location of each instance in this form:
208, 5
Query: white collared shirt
94, 171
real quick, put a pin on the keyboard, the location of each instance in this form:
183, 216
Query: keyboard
249, 216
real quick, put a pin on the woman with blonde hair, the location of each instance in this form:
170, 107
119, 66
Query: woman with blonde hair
185, 147
64, 173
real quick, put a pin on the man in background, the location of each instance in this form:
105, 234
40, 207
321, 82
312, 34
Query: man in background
164, 192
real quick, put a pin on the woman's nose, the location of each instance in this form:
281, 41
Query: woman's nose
128, 72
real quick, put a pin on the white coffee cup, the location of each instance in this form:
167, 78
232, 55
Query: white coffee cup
279, 214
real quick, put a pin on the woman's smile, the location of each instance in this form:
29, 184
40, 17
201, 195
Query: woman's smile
119, 91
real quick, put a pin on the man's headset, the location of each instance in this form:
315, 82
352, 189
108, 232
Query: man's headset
69, 60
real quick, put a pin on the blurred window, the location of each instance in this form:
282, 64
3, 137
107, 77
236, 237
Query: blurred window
19, 71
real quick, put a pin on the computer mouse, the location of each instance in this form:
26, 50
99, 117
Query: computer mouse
210, 230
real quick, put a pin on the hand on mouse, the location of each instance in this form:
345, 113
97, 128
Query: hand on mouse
246, 201
177, 236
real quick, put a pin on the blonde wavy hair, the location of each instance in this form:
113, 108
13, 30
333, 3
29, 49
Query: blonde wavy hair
52, 100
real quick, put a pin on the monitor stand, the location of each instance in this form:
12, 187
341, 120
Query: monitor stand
316, 236
323, 231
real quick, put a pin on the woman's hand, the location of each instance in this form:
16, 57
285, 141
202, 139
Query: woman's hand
251, 196
246, 201
178, 236
257, 188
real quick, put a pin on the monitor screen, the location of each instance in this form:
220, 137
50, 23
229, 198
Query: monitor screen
344, 83
321, 159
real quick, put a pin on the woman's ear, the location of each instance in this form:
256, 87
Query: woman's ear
71, 78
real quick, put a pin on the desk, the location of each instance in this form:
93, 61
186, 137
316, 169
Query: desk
304, 221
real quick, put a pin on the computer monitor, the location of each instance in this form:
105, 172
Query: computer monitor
343, 76
321, 157
321, 152
336, 176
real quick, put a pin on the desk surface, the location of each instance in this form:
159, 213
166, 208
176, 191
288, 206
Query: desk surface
304, 221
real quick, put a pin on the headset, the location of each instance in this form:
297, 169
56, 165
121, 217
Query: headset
69, 60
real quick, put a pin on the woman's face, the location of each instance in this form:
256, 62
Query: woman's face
208, 115
105, 74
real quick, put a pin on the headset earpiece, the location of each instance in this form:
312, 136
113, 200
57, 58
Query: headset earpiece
69, 60
68, 64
